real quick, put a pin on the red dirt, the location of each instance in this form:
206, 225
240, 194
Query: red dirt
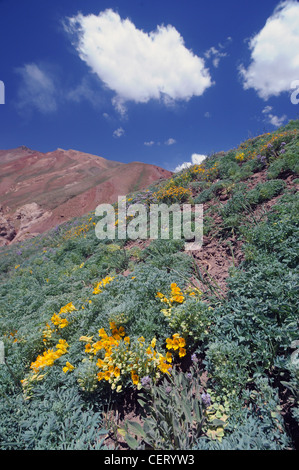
66, 183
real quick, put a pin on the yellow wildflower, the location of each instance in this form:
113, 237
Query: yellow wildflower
88, 348
87, 339
135, 378
182, 352
68, 367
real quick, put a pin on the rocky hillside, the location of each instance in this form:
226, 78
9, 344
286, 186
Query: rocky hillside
39, 191
137, 344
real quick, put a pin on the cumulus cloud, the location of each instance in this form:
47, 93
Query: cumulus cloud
274, 53
196, 159
138, 66
118, 132
149, 143
37, 89
272, 118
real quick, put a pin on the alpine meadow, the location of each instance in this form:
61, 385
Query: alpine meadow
123, 344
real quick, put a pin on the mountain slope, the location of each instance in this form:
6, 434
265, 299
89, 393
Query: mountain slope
104, 340
40, 190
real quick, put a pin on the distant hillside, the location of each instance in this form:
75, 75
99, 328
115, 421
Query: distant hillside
39, 191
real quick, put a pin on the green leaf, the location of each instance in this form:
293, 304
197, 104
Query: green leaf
187, 412
217, 422
197, 411
141, 402
137, 428
133, 443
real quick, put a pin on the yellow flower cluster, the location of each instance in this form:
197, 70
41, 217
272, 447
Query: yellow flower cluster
172, 193
265, 142
42, 361
276, 137
79, 231
102, 283
67, 308
177, 343
68, 367
200, 172
119, 359
240, 157
48, 357
176, 295
58, 321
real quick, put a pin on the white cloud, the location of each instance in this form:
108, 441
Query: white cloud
182, 167
37, 89
196, 159
277, 121
272, 118
215, 54
138, 66
274, 53
84, 91
118, 132
267, 109
170, 141
40, 89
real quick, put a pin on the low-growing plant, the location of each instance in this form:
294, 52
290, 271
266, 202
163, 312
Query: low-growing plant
174, 414
228, 363
63, 421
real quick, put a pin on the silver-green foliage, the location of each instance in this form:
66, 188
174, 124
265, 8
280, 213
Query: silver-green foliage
174, 414
60, 420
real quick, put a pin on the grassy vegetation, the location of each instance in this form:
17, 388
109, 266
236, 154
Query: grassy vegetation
93, 330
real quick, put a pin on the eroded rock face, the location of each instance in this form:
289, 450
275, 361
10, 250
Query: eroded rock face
19, 226
29, 215
7, 230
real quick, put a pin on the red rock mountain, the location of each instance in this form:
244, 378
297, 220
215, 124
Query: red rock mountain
41, 190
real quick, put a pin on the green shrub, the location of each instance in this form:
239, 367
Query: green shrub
228, 362
209, 193
265, 192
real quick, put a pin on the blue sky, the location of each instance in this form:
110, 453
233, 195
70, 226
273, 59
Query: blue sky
157, 81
